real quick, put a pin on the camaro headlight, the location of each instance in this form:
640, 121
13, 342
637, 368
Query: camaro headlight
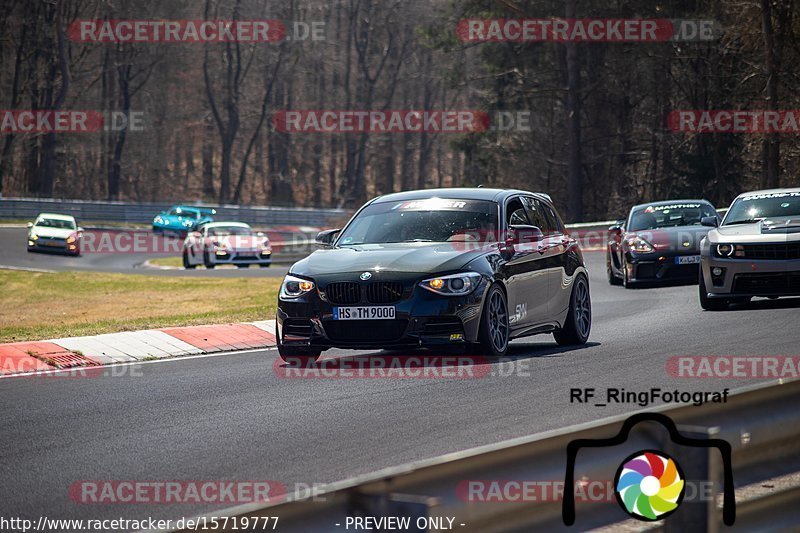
639, 245
454, 284
293, 287
728, 250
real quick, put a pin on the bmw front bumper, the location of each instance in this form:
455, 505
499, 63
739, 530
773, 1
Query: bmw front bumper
422, 319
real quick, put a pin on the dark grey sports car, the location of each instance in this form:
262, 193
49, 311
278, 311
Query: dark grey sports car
446, 268
658, 242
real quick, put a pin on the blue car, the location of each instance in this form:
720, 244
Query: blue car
181, 219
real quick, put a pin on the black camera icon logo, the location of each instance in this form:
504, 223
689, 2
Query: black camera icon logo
649, 484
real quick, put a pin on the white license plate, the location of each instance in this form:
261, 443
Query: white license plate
687, 259
364, 312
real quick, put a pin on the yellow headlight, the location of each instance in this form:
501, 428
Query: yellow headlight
306, 286
436, 283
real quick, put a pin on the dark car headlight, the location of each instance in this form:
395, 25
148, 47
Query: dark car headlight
454, 284
293, 287
639, 245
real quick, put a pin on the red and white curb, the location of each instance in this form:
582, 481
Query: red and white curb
132, 346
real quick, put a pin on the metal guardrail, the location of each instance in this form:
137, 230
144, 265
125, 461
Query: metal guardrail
143, 213
761, 423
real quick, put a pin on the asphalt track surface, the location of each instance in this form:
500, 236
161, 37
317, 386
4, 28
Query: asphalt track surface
232, 418
14, 253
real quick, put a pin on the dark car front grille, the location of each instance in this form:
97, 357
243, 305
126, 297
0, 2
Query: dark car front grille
343, 292
351, 292
772, 251
767, 284
384, 292
365, 330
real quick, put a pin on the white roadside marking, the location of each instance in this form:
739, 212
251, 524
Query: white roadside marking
27, 269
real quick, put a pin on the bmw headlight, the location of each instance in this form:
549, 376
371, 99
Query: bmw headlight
454, 284
639, 245
293, 287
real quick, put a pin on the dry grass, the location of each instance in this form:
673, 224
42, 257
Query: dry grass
41, 305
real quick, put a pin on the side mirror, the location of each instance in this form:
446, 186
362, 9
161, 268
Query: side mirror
522, 233
326, 238
711, 222
30, 225
616, 228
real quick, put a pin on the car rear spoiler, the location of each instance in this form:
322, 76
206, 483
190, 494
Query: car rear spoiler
207, 211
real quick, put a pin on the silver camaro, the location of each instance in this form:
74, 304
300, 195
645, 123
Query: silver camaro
755, 251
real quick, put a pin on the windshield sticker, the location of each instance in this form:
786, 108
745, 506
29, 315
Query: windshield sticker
431, 204
764, 196
667, 208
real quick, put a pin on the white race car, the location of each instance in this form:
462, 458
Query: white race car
54, 233
755, 251
226, 243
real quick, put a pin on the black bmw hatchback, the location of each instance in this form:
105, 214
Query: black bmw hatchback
449, 269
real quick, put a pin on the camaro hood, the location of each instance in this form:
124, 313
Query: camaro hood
57, 233
394, 257
763, 231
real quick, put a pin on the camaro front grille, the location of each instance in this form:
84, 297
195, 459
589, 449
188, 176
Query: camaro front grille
767, 284
351, 292
772, 251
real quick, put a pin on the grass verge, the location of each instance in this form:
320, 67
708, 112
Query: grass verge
35, 306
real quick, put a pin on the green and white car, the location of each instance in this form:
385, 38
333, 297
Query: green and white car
755, 250
54, 233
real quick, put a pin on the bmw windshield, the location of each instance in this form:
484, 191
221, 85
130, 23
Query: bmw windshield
756, 207
427, 220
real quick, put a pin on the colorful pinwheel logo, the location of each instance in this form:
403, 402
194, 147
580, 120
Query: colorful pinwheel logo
649, 485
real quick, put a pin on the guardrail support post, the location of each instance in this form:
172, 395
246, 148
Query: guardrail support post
703, 466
